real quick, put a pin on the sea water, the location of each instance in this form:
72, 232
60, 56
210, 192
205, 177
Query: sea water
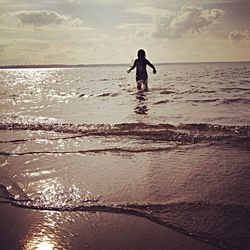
84, 139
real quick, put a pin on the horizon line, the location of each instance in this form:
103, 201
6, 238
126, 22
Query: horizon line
62, 65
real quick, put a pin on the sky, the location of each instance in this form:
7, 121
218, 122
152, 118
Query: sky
112, 31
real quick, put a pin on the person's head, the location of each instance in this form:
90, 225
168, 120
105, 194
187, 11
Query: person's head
141, 54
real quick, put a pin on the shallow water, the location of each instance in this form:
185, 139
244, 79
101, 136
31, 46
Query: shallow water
180, 93
85, 140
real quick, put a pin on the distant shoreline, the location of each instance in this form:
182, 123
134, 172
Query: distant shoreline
45, 66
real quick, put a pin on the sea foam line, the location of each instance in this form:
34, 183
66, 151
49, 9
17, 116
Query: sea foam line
146, 210
100, 150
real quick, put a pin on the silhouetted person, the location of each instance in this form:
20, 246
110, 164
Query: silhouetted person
141, 72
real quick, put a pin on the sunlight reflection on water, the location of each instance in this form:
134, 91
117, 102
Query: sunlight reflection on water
44, 236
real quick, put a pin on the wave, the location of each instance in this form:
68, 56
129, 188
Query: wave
203, 101
236, 100
105, 94
184, 133
98, 150
197, 91
167, 92
245, 81
146, 210
234, 89
174, 214
224, 101
161, 102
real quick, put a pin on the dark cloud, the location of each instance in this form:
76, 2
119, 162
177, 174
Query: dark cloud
188, 19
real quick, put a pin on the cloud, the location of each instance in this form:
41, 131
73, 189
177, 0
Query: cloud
189, 19
36, 51
236, 36
147, 10
40, 18
135, 31
74, 1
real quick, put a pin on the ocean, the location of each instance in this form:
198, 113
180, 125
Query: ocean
84, 141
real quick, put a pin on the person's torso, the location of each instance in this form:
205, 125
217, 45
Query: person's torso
141, 70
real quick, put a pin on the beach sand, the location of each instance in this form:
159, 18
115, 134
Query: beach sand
30, 229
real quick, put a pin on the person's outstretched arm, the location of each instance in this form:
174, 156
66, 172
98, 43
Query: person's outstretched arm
152, 66
132, 67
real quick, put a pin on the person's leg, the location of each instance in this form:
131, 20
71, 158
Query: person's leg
139, 84
145, 83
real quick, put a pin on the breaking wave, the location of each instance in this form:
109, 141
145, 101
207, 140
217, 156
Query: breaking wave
169, 214
236, 100
184, 133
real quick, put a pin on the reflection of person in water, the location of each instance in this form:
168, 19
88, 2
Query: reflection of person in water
141, 72
141, 107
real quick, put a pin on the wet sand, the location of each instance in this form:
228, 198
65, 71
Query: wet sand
29, 229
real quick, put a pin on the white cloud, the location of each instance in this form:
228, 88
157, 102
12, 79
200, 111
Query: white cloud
108, 31
147, 10
74, 1
189, 19
39, 18
236, 36
135, 32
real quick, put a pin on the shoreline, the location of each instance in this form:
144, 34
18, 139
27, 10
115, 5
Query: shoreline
25, 228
